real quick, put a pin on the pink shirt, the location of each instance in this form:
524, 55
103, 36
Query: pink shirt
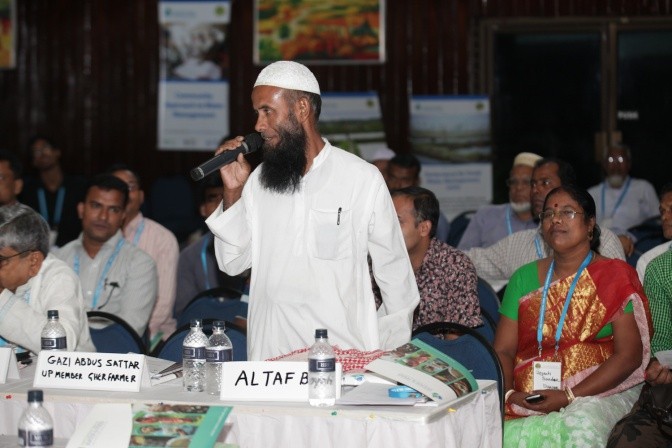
161, 244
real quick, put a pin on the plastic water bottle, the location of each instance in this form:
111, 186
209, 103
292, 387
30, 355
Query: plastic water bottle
53, 334
193, 358
35, 425
219, 351
321, 371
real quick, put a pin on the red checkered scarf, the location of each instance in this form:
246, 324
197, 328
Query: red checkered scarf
351, 359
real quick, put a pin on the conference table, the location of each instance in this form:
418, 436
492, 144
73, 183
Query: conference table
473, 420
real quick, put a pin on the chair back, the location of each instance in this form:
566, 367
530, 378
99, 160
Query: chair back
649, 234
171, 348
457, 227
116, 336
489, 301
487, 330
470, 349
212, 307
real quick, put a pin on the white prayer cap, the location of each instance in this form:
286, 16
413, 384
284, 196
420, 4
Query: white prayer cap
526, 158
288, 75
382, 154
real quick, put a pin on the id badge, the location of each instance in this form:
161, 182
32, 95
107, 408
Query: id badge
547, 375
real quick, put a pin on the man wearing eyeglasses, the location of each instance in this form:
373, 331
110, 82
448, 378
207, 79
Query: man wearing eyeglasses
497, 263
33, 282
623, 201
491, 223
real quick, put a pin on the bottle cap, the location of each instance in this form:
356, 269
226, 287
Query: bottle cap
196, 323
219, 324
52, 313
321, 333
35, 395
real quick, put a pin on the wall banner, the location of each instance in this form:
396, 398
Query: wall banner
194, 71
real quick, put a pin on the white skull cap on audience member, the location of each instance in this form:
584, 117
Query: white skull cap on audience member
383, 154
526, 158
288, 75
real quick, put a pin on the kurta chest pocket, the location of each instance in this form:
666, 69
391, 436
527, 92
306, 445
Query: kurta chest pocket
330, 234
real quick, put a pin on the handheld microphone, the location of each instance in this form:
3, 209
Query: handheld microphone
251, 143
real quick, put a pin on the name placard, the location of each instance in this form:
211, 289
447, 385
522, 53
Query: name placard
8, 368
268, 381
90, 371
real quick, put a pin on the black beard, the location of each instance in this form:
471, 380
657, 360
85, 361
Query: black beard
285, 164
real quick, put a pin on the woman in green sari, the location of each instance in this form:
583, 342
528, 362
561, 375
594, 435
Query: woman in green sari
574, 331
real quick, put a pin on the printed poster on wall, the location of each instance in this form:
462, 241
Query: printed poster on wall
194, 72
451, 134
451, 128
319, 32
353, 121
459, 187
7, 34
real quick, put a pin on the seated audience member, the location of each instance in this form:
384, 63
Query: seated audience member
116, 276
197, 268
160, 244
491, 223
445, 276
622, 201
641, 428
587, 317
404, 171
53, 193
665, 209
35, 282
11, 178
381, 159
497, 263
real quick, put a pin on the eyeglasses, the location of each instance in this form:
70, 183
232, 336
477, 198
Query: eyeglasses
518, 182
5, 260
563, 214
615, 160
41, 149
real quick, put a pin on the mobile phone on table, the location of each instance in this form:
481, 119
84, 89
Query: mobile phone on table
535, 398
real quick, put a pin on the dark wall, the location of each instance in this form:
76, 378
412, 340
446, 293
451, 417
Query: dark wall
87, 71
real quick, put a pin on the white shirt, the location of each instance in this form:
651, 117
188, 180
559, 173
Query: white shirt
639, 202
128, 287
308, 254
497, 263
648, 256
55, 287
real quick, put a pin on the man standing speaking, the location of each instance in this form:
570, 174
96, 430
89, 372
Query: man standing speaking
305, 221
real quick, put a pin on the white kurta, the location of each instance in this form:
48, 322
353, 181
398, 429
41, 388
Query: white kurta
308, 254
55, 287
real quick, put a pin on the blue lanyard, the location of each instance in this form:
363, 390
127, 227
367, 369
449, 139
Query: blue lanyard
4, 342
58, 207
204, 261
508, 219
618, 201
103, 275
544, 298
537, 245
138, 232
